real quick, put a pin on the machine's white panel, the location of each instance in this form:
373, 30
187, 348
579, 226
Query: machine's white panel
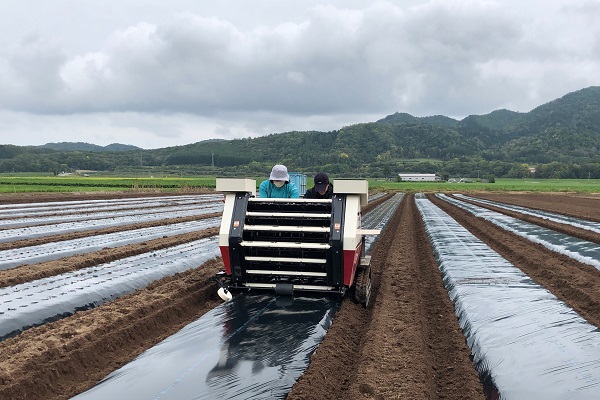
296, 287
353, 186
288, 273
226, 219
287, 260
352, 222
369, 231
233, 185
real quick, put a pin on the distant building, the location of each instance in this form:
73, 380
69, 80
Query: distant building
420, 177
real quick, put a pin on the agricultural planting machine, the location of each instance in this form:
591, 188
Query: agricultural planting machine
289, 245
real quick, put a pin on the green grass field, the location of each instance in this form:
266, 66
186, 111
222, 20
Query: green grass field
22, 184
28, 184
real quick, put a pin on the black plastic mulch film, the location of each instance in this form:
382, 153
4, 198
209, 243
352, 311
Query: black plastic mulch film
12, 258
525, 343
253, 347
578, 249
563, 219
70, 207
49, 299
32, 229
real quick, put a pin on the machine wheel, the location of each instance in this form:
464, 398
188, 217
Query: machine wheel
362, 286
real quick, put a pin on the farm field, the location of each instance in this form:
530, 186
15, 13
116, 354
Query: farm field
501, 185
409, 344
35, 185
75, 183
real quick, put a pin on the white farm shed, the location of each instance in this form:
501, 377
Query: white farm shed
419, 177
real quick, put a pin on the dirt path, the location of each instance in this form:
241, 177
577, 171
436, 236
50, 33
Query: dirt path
407, 345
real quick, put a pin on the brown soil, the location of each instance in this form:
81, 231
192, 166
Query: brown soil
407, 345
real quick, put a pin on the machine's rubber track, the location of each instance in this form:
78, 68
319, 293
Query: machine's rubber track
362, 289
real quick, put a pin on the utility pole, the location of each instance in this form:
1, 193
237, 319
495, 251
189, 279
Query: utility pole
212, 160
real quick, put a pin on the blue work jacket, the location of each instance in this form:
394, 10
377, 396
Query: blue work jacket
268, 190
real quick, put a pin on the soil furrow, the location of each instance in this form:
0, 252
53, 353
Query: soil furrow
417, 349
332, 366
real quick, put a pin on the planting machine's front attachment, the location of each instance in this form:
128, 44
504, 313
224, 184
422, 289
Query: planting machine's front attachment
289, 245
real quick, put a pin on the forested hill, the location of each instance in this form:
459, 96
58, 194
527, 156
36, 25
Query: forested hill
404, 118
82, 146
566, 130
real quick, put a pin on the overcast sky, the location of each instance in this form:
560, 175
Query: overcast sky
165, 73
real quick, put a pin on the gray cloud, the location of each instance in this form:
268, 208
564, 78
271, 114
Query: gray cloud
163, 74
32, 73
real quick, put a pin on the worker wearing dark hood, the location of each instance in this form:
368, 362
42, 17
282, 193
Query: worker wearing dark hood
322, 189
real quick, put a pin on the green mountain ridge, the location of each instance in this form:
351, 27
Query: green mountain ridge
497, 120
404, 118
83, 146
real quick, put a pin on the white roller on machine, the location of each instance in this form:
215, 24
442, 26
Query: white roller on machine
291, 245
